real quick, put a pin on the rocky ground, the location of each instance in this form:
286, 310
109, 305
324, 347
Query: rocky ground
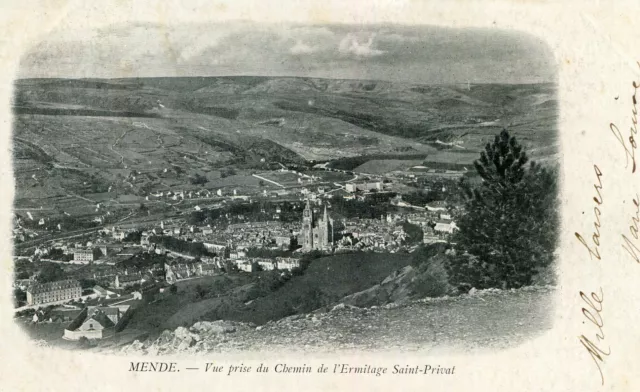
481, 319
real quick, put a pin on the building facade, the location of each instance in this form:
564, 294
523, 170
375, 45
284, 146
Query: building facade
97, 322
124, 281
363, 186
287, 263
83, 255
317, 231
62, 290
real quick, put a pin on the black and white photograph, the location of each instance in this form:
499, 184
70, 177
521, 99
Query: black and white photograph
210, 188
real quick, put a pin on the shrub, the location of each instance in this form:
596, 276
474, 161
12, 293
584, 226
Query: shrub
201, 292
545, 276
83, 342
426, 252
297, 271
431, 278
198, 179
311, 299
467, 271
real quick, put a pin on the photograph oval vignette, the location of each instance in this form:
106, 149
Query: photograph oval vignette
290, 188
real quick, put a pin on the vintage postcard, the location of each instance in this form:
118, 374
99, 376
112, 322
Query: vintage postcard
320, 195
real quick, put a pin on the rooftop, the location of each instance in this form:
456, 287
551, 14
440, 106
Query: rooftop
51, 286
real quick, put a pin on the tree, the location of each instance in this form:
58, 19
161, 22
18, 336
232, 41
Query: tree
255, 267
19, 296
133, 236
415, 234
87, 283
227, 171
56, 254
509, 231
51, 272
199, 179
201, 291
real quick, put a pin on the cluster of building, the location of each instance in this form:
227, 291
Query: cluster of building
256, 264
44, 293
371, 234
353, 187
182, 270
316, 231
71, 289
270, 234
97, 322
195, 194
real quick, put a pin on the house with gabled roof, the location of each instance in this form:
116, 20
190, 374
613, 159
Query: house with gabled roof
96, 322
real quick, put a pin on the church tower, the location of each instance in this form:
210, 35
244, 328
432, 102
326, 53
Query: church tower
307, 227
324, 230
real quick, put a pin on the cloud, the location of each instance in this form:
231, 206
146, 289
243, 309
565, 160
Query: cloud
398, 38
409, 53
302, 48
350, 45
196, 48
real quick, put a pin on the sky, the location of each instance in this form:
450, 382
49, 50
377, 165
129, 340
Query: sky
414, 54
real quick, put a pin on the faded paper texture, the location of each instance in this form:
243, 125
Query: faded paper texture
320, 195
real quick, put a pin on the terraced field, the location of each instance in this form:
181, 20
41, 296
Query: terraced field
80, 137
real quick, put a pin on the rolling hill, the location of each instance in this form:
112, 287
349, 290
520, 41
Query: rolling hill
105, 129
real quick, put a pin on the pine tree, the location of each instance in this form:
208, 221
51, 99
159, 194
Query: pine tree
510, 227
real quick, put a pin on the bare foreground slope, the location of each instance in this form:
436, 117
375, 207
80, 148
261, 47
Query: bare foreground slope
489, 319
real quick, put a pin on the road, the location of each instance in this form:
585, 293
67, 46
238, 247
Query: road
268, 180
113, 146
60, 236
84, 298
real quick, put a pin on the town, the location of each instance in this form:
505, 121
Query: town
93, 281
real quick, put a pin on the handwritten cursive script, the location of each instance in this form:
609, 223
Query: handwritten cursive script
595, 238
592, 313
631, 146
629, 244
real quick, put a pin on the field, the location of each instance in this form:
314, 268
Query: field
329, 176
80, 142
286, 179
382, 166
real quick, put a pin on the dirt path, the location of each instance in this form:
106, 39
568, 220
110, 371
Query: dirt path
488, 320
268, 180
496, 320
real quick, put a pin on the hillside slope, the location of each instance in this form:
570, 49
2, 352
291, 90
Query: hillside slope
358, 117
96, 132
490, 319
